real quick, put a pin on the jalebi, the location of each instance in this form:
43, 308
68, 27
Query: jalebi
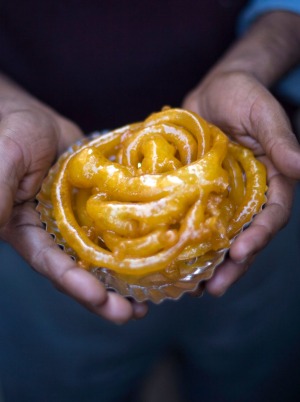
144, 196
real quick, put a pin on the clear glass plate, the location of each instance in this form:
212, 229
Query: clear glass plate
166, 284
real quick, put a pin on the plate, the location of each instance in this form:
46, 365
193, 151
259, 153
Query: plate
170, 283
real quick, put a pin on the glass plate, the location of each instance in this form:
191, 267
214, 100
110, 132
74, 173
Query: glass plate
158, 286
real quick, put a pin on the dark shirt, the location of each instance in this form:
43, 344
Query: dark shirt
108, 63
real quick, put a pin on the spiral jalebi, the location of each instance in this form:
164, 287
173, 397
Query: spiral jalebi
152, 194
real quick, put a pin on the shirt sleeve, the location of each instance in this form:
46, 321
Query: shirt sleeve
257, 7
289, 86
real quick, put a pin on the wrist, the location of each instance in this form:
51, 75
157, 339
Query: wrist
269, 49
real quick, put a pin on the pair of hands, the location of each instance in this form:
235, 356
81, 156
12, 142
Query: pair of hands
32, 136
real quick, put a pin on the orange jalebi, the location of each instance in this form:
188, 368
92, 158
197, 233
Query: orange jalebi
145, 196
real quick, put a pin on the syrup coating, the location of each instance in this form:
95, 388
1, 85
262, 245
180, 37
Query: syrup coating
144, 197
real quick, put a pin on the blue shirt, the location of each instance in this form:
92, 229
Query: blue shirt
289, 86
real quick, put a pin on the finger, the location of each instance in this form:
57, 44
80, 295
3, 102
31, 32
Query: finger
26, 235
270, 220
90, 292
226, 275
190, 102
69, 134
270, 126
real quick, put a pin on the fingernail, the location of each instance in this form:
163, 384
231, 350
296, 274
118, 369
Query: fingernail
222, 293
139, 310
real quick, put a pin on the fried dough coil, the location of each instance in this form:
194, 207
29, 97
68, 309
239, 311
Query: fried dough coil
144, 196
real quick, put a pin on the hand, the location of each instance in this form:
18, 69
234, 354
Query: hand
244, 109
31, 137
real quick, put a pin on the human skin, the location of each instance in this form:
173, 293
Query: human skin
232, 96
32, 135
235, 96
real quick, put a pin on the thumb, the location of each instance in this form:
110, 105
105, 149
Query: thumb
270, 126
